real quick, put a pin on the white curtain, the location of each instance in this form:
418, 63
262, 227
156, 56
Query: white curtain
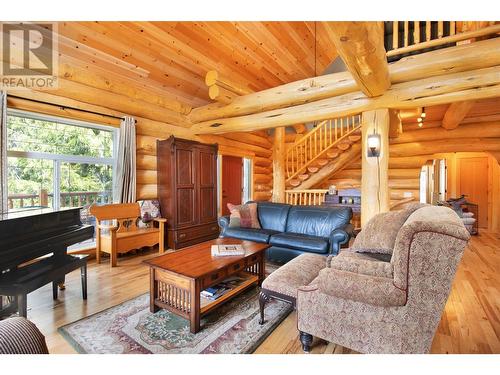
3, 152
125, 177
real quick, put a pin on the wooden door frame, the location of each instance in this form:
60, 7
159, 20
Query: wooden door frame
242, 155
477, 155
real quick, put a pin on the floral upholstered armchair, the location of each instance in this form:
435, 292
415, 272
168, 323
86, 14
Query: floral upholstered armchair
386, 303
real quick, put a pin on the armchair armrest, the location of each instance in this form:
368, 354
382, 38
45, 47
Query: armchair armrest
223, 224
111, 228
373, 290
160, 220
339, 237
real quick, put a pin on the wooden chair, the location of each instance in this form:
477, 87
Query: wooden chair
124, 234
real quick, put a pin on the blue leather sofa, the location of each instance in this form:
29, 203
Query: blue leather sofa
293, 230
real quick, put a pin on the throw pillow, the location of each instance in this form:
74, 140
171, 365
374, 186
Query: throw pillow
243, 216
150, 210
379, 234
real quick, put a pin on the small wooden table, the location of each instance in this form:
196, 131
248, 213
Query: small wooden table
178, 278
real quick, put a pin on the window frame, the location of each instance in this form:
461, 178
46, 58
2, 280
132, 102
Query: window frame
58, 159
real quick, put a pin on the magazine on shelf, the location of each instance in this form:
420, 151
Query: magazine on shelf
227, 250
218, 290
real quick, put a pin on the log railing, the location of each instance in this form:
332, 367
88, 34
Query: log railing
312, 197
71, 199
316, 143
411, 36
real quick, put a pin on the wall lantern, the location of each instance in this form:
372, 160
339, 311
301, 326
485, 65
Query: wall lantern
373, 145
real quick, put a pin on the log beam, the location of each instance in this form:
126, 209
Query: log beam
361, 47
455, 113
374, 178
471, 85
279, 166
395, 124
449, 60
220, 94
214, 78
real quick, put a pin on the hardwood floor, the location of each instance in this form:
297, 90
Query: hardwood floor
470, 322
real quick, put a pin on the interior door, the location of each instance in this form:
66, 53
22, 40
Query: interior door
232, 180
473, 183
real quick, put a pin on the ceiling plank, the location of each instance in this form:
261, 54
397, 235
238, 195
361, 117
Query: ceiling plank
455, 114
471, 85
361, 47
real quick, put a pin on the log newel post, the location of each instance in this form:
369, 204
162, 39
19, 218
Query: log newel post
374, 176
279, 166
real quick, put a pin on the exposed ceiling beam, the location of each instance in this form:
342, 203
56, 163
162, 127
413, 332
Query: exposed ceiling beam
455, 113
449, 60
395, 124
477, 84
361, 47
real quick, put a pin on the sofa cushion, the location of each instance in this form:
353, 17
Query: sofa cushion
273, 215
379, 234
298, 272
299, 241
251, 234
244, 216
317, 221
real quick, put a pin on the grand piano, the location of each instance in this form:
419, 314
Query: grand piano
33, 253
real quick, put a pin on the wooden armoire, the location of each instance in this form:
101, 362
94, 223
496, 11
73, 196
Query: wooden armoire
187, 190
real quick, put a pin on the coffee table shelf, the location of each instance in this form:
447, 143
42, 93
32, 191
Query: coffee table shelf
207, 305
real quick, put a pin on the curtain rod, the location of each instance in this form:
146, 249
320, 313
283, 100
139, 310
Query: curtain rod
66, 107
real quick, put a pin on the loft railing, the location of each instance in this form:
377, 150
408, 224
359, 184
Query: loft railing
70, 199
311, 197
315, 144
404, 37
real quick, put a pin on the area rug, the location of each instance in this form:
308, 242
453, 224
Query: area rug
130, 328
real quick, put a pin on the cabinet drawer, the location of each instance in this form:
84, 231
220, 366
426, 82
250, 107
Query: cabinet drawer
252, 259
187, 234
236, 267
213, 278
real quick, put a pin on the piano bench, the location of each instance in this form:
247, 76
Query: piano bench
21, 281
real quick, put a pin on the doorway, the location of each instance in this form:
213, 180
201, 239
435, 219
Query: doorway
232, 181
473, 183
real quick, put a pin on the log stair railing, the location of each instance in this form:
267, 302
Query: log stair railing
310, 197
319, 146
408, 37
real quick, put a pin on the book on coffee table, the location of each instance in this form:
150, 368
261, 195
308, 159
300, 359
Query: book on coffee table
227, 250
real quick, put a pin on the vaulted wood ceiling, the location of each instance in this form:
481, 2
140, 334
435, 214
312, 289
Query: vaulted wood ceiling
172, 58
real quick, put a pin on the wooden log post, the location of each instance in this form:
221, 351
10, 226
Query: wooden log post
279, 166
395, 124
374, 177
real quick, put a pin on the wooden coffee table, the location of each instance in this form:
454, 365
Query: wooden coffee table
178, 278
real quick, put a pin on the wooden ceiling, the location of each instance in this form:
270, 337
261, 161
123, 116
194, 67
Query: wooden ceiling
485, 110
171, 58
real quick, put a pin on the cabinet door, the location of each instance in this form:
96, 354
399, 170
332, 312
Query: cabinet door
207, 179
185, 185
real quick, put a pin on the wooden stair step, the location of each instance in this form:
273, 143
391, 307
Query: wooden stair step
312, 169
295, 182
322, 162
332, 154
354, 138
343, 146
303, 177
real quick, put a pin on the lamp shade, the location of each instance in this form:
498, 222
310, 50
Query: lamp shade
373, 143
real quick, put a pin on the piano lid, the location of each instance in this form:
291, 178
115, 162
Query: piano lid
33, 212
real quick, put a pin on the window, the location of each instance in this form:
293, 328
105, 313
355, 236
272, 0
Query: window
56, 162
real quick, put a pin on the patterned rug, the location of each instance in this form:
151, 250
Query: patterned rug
130, 328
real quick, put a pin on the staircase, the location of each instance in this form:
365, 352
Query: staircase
319, 147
